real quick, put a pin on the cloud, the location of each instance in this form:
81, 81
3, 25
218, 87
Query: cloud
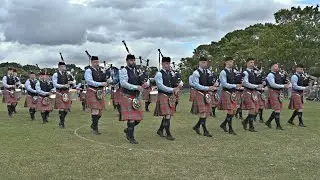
36, 31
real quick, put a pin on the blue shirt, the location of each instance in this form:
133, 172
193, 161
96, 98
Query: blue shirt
55, 81
195, 79
28, 87
159, 82
271, 81
89, 79
294, 82
223, 80
246, 82
190, 81
39, 91
123, 76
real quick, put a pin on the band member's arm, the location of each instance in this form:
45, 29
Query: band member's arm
55, 81
160, 85
79, 86
294, 82
28, 87
223, 81
4, 81
39, 91
190, 81
89, 79
246, 82
123, 76
195, 79
272, 83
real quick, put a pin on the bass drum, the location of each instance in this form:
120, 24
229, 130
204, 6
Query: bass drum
112, 74
53, 99
18, 94
73, 94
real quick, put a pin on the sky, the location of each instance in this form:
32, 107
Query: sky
35, 31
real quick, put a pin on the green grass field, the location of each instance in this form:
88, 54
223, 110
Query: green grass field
30, 150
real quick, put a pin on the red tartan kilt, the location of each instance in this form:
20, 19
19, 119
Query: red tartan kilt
162, 106
146, 94
59, 104
202, 107
127, 112
41, 107
92, 102
225, 102
214, 101
8, 99
239, 97
296, 101
273, 100
117, 96
28, 102
247, 101
192, 94
262, 102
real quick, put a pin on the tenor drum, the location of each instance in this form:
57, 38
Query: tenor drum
53, 98
18, 94
154, 96
73, 93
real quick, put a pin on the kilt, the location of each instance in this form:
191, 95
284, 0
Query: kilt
8, 99
41, 107
117, 97
225, 102
239, 97
59, 104
262, 102
214, 101
296, 100
146, 94
194, 108
200, 105
29, 103
92, 102
192, 94
247, 102
162, 106
127, 112
273, 100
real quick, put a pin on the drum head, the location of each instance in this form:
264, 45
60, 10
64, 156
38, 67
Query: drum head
52, 96
18, 90
72, 90
154, 92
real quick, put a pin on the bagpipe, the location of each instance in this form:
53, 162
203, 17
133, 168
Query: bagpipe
112, 74
284, 76
141, 70
260, 75
70, 76
238, 76
212, 78
176, 75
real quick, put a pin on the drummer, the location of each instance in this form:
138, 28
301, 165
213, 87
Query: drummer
62, 85
18, 86
31, 98
9, 97
44, 88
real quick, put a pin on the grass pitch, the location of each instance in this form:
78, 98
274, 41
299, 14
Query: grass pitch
31, 150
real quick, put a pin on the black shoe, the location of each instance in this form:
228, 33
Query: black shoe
232, 132
302, 125
207, 134
244, 124
252, 130
169, 137
32, 118
160, 133
196, 129
133, 141
261, 121
279, 128
61, 126
268, 124
96, 132
291, 122
240, 117
147, 110
224, 127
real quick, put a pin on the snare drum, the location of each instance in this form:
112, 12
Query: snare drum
154, 96
18, 94
73, 94
53, 99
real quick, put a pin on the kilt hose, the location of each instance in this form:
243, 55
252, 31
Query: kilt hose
239, 97
200, 106
262, 102
8, 99
225, 102
296, 100
273, 100
127, 111
29, 102
162, 106
59, 104
214, 101
92, 101
247, 101
192, 94
146, 94
42, 107
117, 96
